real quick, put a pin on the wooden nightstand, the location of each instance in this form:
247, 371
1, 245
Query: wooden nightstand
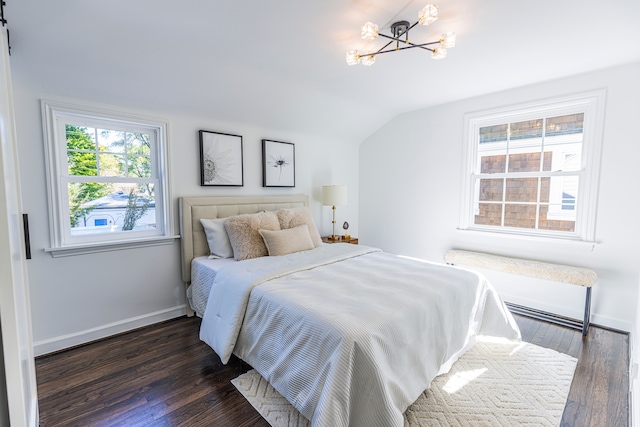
353, 240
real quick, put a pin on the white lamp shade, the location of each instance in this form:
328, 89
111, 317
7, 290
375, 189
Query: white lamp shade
333, 195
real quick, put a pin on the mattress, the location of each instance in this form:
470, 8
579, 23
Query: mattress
203, 273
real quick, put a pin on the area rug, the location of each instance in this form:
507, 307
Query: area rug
496, 383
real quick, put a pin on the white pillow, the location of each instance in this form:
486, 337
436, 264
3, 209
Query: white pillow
217, 238
287, 241
293, 217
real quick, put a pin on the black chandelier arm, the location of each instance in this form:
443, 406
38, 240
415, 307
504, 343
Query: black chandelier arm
422, 45
402, 41
380, 50
393, 39
401, 48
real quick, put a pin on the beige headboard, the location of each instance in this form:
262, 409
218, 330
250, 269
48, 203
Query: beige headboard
192, 209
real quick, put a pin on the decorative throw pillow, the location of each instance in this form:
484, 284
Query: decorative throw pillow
243, 233
217, 238
290, 218
287, 241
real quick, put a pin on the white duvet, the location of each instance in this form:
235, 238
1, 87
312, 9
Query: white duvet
349, 335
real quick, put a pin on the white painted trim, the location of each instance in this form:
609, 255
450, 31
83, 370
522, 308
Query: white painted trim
543, 241
592, 104
92, 248
15, 310
82, 337
55, 162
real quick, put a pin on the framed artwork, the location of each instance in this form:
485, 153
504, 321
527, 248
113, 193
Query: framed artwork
278, 164
220, 159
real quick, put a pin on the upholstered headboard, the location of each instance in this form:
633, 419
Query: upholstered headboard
192, 209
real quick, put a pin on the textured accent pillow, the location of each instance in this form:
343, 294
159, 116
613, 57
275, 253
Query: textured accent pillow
290, 218
217, 238
287, 241
243, 233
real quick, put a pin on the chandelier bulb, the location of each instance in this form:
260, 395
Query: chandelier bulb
353, 57
439, 53
369, 31
368, 60
448, 40
428, 15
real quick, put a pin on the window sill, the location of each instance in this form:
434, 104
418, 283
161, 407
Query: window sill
92, 248
543, 241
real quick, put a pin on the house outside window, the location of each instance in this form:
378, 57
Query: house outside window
107, 176
533, 170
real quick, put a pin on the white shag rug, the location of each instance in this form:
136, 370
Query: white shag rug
496, 383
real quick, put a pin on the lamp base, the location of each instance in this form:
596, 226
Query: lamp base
334, 238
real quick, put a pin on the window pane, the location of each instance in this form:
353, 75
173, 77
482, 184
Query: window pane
138, 143
139, 166
493, 164
520, 216
544, 189
563, 158
547, 163
109, 208
522, 190
564, 125
79, 138
556, 221
112, 165
82, 163
491, 190
489, 214
493, 133
561, 190
524, 162
111, 141
526, 129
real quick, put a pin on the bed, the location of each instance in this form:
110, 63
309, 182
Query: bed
350, 335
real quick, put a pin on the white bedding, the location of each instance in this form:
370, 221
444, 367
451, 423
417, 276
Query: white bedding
349, 335
203, 273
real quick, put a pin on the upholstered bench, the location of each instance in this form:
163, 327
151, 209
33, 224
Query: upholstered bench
525, 267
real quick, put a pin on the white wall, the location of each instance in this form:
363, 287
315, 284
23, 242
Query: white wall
410, 180
80, 298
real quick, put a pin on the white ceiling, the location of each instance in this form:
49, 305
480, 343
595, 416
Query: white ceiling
280, 64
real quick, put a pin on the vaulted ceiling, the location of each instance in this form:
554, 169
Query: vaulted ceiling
280, 64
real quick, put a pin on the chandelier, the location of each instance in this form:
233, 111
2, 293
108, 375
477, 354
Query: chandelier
400, 35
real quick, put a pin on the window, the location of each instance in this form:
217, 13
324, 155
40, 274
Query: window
107, 177
533, 170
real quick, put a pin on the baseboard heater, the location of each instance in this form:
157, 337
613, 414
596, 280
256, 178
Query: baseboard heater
540, 270
546, 316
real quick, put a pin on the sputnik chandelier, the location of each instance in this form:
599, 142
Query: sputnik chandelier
400, 35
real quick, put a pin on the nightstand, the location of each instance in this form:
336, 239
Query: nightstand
353, 240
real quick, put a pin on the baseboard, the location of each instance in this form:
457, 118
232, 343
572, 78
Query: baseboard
596, 319
34, 418
66, 341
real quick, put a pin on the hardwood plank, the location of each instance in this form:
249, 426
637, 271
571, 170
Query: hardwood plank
164, 375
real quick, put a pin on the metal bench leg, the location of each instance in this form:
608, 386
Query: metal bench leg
587, 312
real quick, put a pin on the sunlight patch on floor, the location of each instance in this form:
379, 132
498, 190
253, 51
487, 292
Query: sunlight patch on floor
461, 379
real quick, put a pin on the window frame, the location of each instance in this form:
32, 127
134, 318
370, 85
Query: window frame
592, 104
55, 116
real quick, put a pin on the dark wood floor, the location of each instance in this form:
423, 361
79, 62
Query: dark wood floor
163, 375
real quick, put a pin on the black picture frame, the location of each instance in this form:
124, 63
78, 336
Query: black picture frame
221, 162
278, 163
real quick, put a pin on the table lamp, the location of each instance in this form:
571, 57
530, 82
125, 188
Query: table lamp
333, 195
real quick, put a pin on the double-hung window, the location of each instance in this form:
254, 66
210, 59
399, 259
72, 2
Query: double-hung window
107, 176
533, 170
